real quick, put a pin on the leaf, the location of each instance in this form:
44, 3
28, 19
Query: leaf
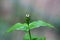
18, 26
42, 38
26, 37
39, 23
23, 27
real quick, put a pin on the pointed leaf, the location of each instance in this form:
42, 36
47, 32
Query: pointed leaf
23, 27
18, 26
39, 23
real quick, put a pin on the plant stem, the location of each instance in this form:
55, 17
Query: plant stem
28, 21
29, 33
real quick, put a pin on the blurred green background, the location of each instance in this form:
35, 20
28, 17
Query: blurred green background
13, 11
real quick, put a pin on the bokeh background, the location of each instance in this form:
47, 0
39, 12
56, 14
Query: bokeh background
13, 11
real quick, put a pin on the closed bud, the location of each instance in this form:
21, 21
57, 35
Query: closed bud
27, 18
27, 15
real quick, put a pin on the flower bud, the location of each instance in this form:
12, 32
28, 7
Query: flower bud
27, 15
27, 18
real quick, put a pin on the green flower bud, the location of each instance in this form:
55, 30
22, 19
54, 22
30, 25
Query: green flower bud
27, 18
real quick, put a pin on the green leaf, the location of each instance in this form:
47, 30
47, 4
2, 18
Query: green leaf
39, 23
26, 37
23, 27
18, 26
42, 38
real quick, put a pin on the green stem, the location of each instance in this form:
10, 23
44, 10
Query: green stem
29, 34
28, 21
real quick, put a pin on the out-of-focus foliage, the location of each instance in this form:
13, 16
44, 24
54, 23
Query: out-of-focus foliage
35, 24
25, 27
39, 23
26, 37
18, 26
